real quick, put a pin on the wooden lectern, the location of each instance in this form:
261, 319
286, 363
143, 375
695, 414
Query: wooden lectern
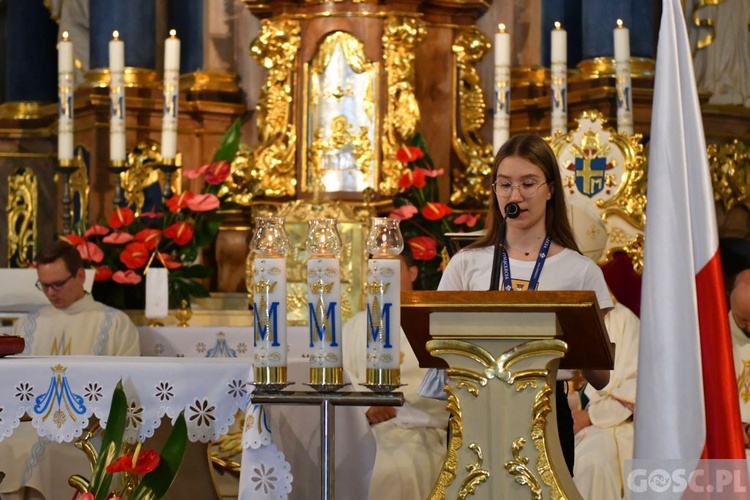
501, 351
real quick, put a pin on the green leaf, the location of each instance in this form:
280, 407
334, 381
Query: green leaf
156, 483
195, 271
111, 443
230, 143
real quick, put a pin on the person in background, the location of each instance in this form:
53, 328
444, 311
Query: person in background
72, 324
739, 325
410, 440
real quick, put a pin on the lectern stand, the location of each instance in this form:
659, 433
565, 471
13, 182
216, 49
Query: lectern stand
501, 351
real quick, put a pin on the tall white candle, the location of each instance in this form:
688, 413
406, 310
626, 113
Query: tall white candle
501, 122
171, 93
622, 79
157, 292
116, 98
559, 77
65, 84
324, 299
384, 314
269, 312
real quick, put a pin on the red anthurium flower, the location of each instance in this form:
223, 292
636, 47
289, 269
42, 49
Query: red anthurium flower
180, 201
203, 203
412, 178
168, 262
135, 255
127, 277
149, 237
96, 230
408, 154
74, 239
118, 238
103, 273
90, 252
405, 212
468, 219
179, 232
151, 214
218, 172
122, 217
195, 172
430, 173
144, 463
423, 247
87, 496
435, 211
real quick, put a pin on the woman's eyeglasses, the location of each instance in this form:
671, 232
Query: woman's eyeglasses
527, 188
56, 286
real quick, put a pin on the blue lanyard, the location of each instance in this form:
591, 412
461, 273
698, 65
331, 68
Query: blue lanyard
534, 281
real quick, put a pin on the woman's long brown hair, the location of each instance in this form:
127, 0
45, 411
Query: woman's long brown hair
536, 150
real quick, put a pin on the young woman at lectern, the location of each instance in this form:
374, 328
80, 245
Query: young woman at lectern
529, 245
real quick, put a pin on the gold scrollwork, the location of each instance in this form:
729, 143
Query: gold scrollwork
79, 190
706, 22
400, 36
142, 172
476, 474
730, 173
273, 159
538, 423
476, 156
23, 193
519, 468
449, 469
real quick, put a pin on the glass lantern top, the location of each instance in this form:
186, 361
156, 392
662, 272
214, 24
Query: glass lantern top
270, 239
323, 237
385, 239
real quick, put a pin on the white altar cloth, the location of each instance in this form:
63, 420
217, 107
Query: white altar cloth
61, 394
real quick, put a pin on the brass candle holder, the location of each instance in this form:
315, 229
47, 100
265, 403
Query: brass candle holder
66, 168
169, 167
118, 167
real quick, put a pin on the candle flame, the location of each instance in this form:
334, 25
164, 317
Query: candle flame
619, 23
172, 33
558, 26
501, 27
115, 35
65, 36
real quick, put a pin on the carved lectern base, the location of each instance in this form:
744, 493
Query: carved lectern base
503, 427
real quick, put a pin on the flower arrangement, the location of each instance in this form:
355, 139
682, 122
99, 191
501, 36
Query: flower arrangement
170, 235
145, 474
424, 219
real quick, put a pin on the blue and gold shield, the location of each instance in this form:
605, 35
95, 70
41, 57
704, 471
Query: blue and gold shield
590, 175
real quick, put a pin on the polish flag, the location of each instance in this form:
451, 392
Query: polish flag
686, 405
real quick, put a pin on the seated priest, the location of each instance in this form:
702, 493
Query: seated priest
603, 424
410, 440
73, 324
739, 325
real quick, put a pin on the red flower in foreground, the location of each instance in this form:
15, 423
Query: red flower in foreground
149, 237
127, 277
142, 464
435, 211
195, 172
118, 238
121, 217
135, 255
405, 212
166, 259
103, 273
96, 230
408, 154
180, 201
218, 172
469, 219
423, 247
203, 203
430, 173
90, 252
73, 239
179, 232
412, 178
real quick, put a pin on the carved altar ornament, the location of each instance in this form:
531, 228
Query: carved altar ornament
143, 172
730, 173
273, 160
474, 154
22, 209
604, 178
340, 93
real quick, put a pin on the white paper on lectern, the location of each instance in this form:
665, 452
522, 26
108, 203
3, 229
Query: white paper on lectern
157, 293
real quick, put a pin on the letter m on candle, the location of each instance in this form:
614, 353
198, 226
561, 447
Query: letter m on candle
323, 324
267, 319
379, 323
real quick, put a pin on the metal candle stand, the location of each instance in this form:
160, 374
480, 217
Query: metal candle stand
169, 167
326, 401
118, 167
66, 169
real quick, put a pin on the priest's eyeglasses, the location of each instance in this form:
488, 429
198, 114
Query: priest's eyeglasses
527, 189
56, 286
